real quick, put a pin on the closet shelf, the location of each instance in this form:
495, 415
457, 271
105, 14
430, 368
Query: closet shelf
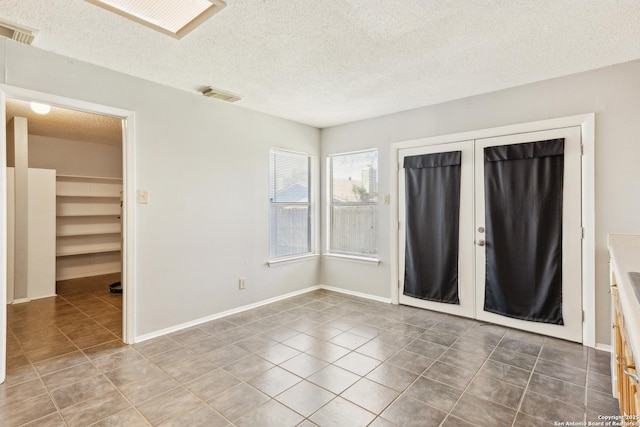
96, 178
88, 214
86, 233
90, 196
88, 210
88, 251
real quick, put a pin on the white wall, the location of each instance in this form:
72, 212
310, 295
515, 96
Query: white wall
613, 93
205, 164
75, 157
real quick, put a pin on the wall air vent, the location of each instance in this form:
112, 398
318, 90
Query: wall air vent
17, 32
212, 92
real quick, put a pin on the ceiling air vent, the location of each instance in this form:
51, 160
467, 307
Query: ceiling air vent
212, 92
172, 17
16, 32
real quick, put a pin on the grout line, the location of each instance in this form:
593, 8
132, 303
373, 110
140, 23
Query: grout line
495, 347
526, 388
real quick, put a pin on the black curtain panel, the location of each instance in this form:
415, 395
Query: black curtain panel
523, 213
432, 183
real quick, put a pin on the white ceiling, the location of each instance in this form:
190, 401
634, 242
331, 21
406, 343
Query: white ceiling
329, 62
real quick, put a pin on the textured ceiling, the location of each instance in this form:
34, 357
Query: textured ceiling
329, 62
68, 124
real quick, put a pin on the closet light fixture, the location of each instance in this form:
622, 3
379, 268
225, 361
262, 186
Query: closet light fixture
40, 108
175, 18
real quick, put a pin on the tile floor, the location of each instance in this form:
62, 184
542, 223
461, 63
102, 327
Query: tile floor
321, 358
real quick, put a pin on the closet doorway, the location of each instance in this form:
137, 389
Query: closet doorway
92, 204
491, 229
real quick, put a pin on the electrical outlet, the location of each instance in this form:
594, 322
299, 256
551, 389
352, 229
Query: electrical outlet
242, 283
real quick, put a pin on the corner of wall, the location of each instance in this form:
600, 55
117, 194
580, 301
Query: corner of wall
3, 60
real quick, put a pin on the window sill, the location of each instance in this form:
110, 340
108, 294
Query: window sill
280, 261
354, 258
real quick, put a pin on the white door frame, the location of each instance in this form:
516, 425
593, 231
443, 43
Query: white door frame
587, 126
128, 217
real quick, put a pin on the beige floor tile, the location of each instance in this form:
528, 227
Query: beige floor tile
148, 387
68, 376
19, 361
248, 367
127, 418
213, 384
95, 409
51, 420
51, 352
27, 411
61, 362
202, 416
275, 381
97, 338
156, 346
106, 349
271, 414
117, 360
169, 405
341, 412
191, 369
131, 372
20, 392
19, 375
81, 391
305, 398
238, 401
370, 395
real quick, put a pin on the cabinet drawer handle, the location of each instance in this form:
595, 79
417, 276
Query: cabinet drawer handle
634, 377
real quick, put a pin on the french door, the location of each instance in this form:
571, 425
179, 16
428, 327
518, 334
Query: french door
515, 258
464, 265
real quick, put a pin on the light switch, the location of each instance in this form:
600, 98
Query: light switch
387, 199
143, 197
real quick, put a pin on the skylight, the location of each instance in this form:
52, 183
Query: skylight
176, 18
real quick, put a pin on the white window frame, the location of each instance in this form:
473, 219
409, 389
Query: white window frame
329, 204
311, 253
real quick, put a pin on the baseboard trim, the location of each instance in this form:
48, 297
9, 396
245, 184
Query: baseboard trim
603, 347
20, 300
220, 315
165, 331
356, 294
42, 296
176, 328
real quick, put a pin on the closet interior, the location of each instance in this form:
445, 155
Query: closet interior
64, 199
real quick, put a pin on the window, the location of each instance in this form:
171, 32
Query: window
289, 196
353, 216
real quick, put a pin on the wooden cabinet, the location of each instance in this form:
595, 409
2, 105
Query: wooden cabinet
623, 363
88, 226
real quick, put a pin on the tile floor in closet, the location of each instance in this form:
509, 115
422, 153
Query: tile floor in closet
322, 358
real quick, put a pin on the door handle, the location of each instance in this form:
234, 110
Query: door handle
480, 242
627, 370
